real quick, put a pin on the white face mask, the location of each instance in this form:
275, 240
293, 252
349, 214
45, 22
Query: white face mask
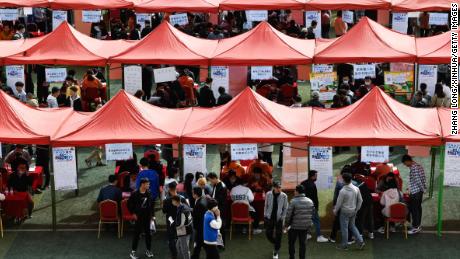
345, 81
367, 83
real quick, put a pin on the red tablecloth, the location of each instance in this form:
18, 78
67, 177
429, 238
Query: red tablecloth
36, 175
15, 205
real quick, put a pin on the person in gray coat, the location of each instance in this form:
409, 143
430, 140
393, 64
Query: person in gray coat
348, 203
276, 204
298, 221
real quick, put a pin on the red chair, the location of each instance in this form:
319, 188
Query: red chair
108, 213
121, 179
241, 216
125, 215
370, 183
398, 214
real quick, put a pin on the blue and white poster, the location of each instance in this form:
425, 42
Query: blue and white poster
452, 164
400, 22
321, 161
58, 18
65, 168
314, 16
194, 158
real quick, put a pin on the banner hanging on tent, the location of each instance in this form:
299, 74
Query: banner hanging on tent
132, 78
58, 18
428, 74
91, 16
361, 71
243, 151
261, 72
321, 161
141, 18
179, 19
220, 77
55, 75
452, 164
348, 17
9, 14
118, 151
400, 22
14, 74
194, 158
65, 168
322, 68
313, 16
378, 154
256, 15
166, 74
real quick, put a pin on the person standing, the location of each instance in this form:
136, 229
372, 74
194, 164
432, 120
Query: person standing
348, 203
325, 24
140, 204
199, 210
211, 224
74, 100
275, 209
52, 98
223, 97
206, 97
170, 212
219, 193
417, 186
150, 174
340, 26
147, 80
298, 221
183, 223
311, 192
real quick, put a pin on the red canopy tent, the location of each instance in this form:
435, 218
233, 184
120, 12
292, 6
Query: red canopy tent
435, 49
248, 118
24, 3
125, 119
12, 47
203, 6
89, 4
22, 124
168, 45
445, 118
347, 5
67, 46
420, 5
376, 119
369, 41
261, 4
263, 45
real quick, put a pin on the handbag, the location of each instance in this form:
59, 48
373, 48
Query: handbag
220, 240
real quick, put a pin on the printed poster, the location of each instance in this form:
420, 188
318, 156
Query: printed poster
118, 151
400, 22
256, 15
65, 168
220, 77
452, 164
295, 169
313, 16
141, 18
9, 14
361, 71
132, 78
166, 74
261, 72
55, 75
58, 18
321, 161
14, 74
325, 84
179, 19
398, 77
244, 151
348, 17
438, 19
322, 68
376, 154
194, 158
91, 16
428, 74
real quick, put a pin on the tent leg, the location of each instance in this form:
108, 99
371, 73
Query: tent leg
441, 189
122, 76
107, 80
432, 170
181, 161
53, 192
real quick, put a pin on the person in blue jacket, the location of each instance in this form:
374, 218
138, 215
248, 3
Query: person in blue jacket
150, 174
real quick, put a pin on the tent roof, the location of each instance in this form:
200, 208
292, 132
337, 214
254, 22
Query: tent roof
12, 47
369, 41
435, 49
67, 46
125, 119
89, 4
347, 5
22, 124
205, 6
168, 45
261, 4
445, 118
263, 45
24, 3
376, 119
420, 5
248, 118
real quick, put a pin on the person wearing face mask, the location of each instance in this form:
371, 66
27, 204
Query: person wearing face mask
368, 83
348, 81
20, 181
231, 180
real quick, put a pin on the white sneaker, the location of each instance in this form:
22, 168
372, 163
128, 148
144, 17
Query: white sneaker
331, 240
275, 255
148, 254
133, 255
308, 236
371, 235
279, 167
351, 242
414, 231
257, 231
321, 239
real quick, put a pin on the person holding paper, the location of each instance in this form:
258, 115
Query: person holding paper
140, 204
212, 224
183, 223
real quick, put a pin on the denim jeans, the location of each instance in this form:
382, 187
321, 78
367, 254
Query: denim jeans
315, 219
182, 247
347, 222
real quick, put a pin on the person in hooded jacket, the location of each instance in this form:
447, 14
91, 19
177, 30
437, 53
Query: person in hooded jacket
184, 227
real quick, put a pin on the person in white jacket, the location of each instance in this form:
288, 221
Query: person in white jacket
389, 197
242, 193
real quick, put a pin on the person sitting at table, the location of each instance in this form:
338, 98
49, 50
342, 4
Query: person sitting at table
259, 182
129, 182
151, 175
231, 180
389, 197
259, 163
230, 164
383, 182
110, 191
243, 194
382, 169
18, 152
20, 181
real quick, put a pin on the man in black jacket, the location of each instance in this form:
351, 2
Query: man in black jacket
74, 100
140, 204
199, 210
184, 227
147, 81
170, 212
206, 97
224, 98
312, 193
219, 193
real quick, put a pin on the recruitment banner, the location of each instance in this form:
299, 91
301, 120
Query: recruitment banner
194, 158
256, 15
55, 75
166, 74
141, 18
65, 168
132, 78
58, 17
325, 84
313, 16
220, 77
295, 169
361, 71
400, 22
14, 74
428, 74
91, 16
261, 72
118, 151
452, 164
438, 19
398, 77
243, 151
179, 19
9, 14
376, 154
321, 161
348, 17
322, 68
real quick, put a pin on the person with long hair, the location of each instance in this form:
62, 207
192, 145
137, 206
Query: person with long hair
440, 98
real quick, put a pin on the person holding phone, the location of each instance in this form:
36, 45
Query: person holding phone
212, 224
